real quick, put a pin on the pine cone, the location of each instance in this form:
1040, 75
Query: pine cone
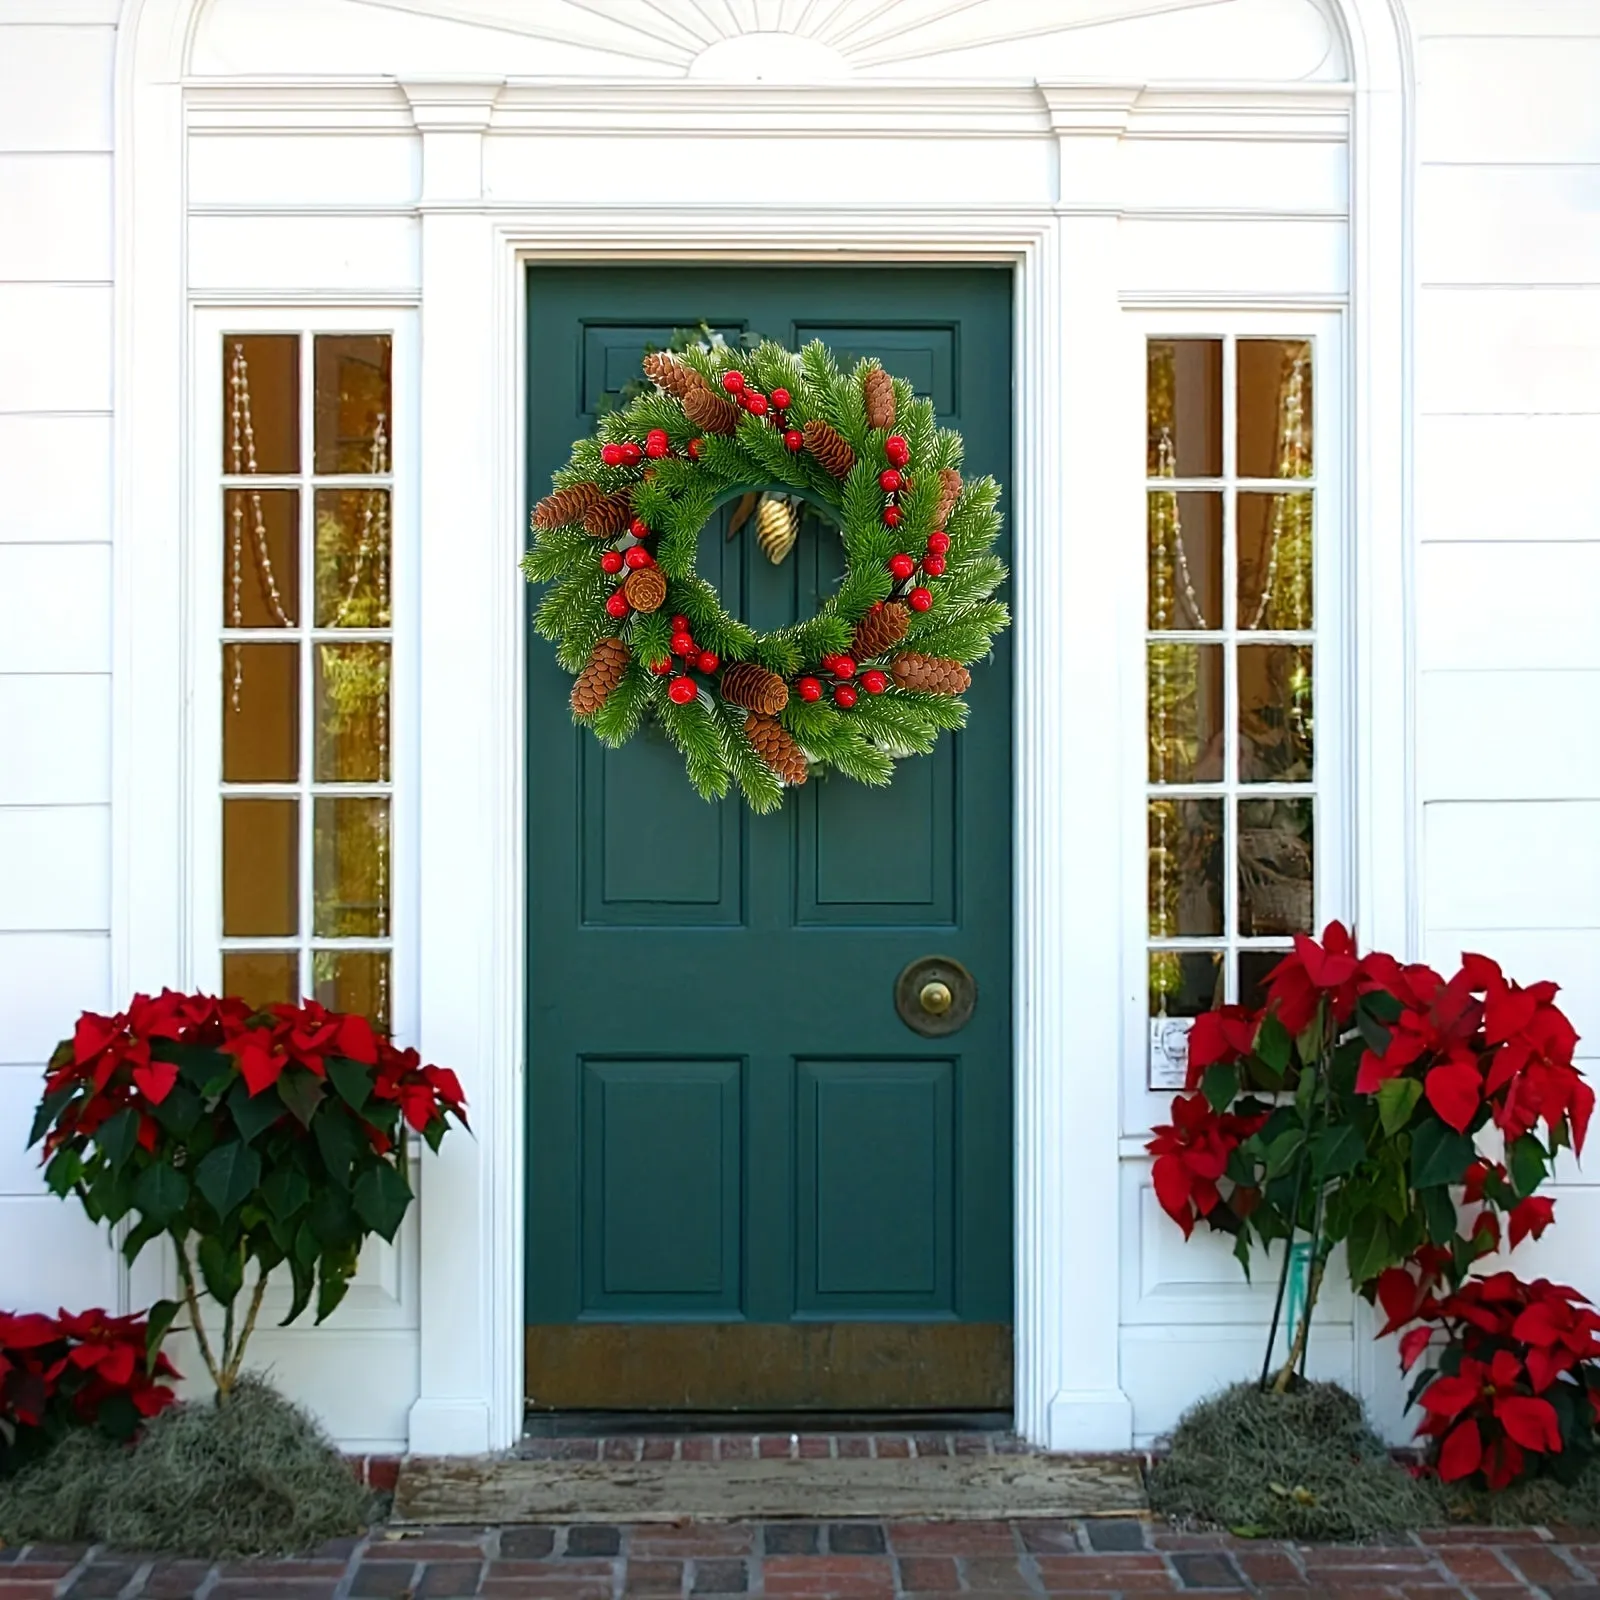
607, 517
710, 411
929, 674
607, 663
566, 505
832, 453
949, 493
776, 748
645, 589
877, 390
671, 375
883, 627
749, 684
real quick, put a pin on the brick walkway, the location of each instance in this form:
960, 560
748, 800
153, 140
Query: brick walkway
844, 1559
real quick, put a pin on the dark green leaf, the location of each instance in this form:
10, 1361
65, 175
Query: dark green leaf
1382, 1005
1397, 1099
1336, 1151
158, 1319
1369, 1247
179, 1112
1525, 1164
1372, 1030
65, 1168
331, 1287
382, 1195
160, 1194
117, 1137
306, 1249
1439, 1211
305, 1280
1438, 1154
1281, 1153
1272, 1043
336, 1138
301, 1092
1241, 1250
228, 1176
352, 1081
285, 1191
138, 1237
48, 1110
332, 1219
222, 1267
1309, 1040
199, 1064
253, 1115
1221, 1084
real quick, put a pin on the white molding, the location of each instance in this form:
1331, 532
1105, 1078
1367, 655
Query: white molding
1069, 1390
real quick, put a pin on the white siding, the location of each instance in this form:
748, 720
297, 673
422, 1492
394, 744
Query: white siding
1508, 574
55, 604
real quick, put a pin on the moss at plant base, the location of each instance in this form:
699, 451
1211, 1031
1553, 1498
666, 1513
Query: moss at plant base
1303, 1465
254, 1476
1535, 1502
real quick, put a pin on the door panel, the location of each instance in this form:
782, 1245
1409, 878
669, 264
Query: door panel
750, 1184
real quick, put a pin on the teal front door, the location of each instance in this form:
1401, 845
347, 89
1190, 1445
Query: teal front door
750, 1183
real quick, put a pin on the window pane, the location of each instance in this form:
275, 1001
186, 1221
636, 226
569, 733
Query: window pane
1275, 566
1275, 867
261, 402
1275, 713
1184, 707
1183, 408
352, 558
1183, 983
260, 868
352, 691
351, 856
1274, 408
261, 576
1254, 967
351, 387
1185, 883
354, 980
1185, 552
261, 713
263, 977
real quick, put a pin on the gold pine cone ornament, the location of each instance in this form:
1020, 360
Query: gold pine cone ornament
777, 527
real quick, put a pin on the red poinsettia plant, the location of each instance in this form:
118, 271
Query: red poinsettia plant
74, 1370
271, 1138
1514, 1373
1345, 1110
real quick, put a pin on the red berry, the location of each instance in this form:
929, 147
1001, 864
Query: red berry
902, 566
793, 440
843, 667
933, 566
655, 443
661, 668
694, 449
874, 682
919, 599
638, 557
632, 455
755, 404
891, 516
640, 530
938, 543
611, 561
611, 455
809, 689
683, 645
681, 691
780, 398
709, 661
680, 624
733, 382
889, 480
896, 450
617, 604
844, 696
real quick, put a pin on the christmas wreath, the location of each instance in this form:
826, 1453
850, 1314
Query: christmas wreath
876, 675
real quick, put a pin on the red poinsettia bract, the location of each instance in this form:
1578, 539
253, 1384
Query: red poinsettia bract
1192, 1154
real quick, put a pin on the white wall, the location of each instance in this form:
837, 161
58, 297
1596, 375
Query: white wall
55, 595
1508, 523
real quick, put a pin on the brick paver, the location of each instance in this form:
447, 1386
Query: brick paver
854, 1560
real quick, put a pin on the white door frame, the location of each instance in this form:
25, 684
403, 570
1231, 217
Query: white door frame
1070, 390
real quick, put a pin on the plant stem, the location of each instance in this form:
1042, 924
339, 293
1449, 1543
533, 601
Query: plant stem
237, 1360
192, 1300
1297, 1352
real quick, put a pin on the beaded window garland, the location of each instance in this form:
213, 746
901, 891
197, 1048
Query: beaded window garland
875, 676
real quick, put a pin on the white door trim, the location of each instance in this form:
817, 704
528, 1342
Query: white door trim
471, 726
